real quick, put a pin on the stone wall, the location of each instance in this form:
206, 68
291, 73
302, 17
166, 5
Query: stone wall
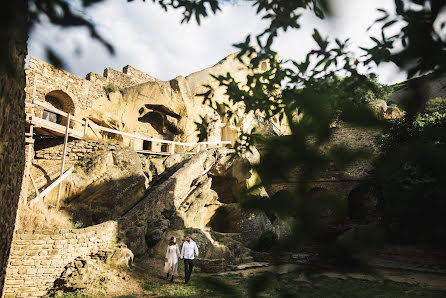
76, 150
43, 78
12, 123
39, 257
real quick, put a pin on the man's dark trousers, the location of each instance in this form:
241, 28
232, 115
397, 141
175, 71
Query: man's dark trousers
188, 266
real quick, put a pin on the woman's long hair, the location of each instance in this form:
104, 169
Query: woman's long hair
172, 241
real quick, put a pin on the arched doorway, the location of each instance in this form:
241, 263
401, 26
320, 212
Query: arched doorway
59, 100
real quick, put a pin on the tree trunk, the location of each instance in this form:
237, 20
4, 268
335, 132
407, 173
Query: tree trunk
13, 36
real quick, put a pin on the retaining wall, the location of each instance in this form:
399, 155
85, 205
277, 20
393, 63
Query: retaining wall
38, 257
76, 150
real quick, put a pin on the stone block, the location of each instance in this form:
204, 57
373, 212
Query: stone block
16, 262
29, 237
53, 252
32, 253
14, 281
45, 263
28, 262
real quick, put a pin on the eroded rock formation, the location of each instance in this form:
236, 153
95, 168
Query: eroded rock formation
190, 202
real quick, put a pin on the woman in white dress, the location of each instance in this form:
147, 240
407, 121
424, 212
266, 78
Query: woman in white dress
172, 254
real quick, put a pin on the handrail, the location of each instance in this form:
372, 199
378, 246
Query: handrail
131, 135
56, 110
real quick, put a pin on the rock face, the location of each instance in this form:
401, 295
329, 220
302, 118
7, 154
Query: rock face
110, 184
189, 203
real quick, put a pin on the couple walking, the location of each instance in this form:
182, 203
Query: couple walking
189, 251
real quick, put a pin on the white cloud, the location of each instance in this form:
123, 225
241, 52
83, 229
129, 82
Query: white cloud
148, 38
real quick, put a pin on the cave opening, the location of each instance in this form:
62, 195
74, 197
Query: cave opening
227, 219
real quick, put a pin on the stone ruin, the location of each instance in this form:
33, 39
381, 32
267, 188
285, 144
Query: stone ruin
132, 101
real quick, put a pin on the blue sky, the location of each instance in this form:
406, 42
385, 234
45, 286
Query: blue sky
148, 38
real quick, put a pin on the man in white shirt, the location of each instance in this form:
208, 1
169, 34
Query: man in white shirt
188, 252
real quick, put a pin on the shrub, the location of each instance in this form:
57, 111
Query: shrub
110, 88
436, 105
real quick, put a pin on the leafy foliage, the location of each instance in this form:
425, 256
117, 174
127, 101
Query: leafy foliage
410, 175
436, 105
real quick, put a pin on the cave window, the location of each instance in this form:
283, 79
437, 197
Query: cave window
147, 145
164, 148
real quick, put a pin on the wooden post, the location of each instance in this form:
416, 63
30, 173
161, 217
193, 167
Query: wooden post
133, 140
63, 160
35, 186
172, 148
198, 148
85, 127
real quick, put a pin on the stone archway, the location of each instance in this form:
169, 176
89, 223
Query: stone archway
60, 100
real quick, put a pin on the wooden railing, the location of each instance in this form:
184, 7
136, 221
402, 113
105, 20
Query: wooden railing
87, 123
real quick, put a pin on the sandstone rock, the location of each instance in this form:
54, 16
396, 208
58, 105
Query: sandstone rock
173, 160
158, 164
382, 111
209, 249
378, 107
153, 237
188, 200
122, 256
393, 112
112, 184
253, 224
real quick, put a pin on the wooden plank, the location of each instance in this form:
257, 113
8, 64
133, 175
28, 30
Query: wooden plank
85, 127
35, 186
63, 159
56, 182
56, 110
54, 127
29, 140
90, 124
216, 143
153, 152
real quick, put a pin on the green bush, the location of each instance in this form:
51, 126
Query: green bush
110, 88
436, 105
410, 175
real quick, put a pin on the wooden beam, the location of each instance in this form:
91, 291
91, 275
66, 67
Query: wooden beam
35, 186
56, 110
85, 127
63, 160
56, 182
54, 127
93, 130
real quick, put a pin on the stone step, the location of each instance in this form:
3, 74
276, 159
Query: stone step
251, 265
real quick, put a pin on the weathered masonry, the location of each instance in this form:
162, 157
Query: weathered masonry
39, 257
